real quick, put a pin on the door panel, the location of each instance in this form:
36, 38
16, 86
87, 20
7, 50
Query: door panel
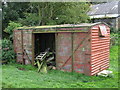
63, 49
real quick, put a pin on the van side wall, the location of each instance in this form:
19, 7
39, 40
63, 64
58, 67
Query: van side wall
99, 50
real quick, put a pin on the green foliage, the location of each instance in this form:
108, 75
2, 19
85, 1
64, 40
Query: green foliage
7, 46
113, 30
29, 78
61, 13
114, 39
12, 11
11, 27
30, 19
114, 58
44, 13
114, 36
7, 51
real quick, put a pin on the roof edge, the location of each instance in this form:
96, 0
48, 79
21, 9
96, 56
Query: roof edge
101, 23
62, 26
104, 16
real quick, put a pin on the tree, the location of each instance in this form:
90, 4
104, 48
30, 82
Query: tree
45, 13
12, 11
61, 12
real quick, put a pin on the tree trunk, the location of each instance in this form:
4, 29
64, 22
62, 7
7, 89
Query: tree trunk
39, 13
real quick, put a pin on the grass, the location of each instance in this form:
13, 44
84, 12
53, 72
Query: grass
29, 78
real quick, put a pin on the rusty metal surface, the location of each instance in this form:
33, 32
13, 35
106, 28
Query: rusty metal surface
82, 53
99, 49
64, 51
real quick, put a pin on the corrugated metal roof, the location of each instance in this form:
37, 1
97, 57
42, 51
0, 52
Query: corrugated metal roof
62, 26
105, 8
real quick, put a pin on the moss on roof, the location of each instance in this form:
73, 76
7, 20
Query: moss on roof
61, 26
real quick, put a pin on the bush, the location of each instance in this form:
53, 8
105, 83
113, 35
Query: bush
114, 39
7, 51
11, 27
114, 36
113, 30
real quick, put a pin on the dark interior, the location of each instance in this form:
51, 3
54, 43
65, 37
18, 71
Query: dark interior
44, 41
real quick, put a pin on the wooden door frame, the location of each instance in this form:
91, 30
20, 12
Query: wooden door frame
33, 46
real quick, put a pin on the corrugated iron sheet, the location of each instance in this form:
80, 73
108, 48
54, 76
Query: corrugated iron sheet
99, 49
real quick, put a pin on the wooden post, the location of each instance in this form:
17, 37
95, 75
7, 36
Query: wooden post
33, 47
23, 62
72, 51
56, 47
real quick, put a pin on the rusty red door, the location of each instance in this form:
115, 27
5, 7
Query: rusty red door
63, 49
81, 52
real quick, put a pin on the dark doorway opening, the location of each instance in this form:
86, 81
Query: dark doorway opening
43, 41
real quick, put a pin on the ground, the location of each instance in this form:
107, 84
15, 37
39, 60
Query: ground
12, 77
